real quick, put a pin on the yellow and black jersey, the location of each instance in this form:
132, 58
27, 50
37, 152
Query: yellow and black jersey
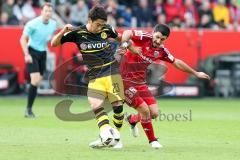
97, 50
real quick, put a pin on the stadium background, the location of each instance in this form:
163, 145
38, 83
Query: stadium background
207, 39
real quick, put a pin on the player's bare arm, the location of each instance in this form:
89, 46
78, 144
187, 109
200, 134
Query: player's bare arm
126, 36
24, 44
181, 65
56, 40
127, 43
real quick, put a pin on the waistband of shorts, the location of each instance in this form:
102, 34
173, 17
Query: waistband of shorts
104, 65
41, 52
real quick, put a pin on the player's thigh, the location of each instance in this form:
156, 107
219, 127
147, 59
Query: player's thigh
152, 104
139, 105
34, 66
154, 110
150, 100
97, 86
96, 101
146, 94
42, 63
115, 89
133, 98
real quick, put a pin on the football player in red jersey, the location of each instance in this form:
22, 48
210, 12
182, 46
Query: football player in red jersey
149, 48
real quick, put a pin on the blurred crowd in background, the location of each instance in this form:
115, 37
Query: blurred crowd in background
211, 14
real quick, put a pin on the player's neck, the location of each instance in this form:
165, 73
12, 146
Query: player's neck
153, 45
159, 46
45, 21
88, 26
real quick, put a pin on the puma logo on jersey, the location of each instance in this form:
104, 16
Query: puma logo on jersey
84, 37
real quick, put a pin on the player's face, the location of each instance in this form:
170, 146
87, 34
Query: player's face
97, 25
158, 39
46, 13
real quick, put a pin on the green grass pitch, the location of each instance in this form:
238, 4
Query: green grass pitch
213, 133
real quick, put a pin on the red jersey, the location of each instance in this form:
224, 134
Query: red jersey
133, 67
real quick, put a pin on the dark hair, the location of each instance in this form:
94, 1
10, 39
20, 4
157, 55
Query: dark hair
47, 4
164, 29
97, 12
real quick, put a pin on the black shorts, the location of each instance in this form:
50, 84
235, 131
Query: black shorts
39, 61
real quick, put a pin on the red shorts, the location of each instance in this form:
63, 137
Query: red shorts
137, 94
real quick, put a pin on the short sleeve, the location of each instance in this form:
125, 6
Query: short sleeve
28, 29
69, 37
168, 57
112, 32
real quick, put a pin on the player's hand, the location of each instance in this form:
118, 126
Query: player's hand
79, 57
120, 52
68, 28
28, 58
202, 75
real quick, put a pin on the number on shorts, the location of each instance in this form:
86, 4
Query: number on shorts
116, 88
131, 91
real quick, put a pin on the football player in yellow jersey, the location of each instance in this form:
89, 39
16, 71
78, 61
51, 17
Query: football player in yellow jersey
93, 41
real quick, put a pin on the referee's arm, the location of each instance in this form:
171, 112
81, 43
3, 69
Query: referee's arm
56, 40
24, 43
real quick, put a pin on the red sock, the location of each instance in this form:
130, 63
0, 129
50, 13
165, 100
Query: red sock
148, 129
135, 118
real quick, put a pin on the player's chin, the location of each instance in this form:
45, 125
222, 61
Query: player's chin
47, 18
156, 45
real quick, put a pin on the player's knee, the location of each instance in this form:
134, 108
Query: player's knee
36, 80
94, 105
39, 81
117, 103
154, 111
145, 113
95, 102
154, 115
